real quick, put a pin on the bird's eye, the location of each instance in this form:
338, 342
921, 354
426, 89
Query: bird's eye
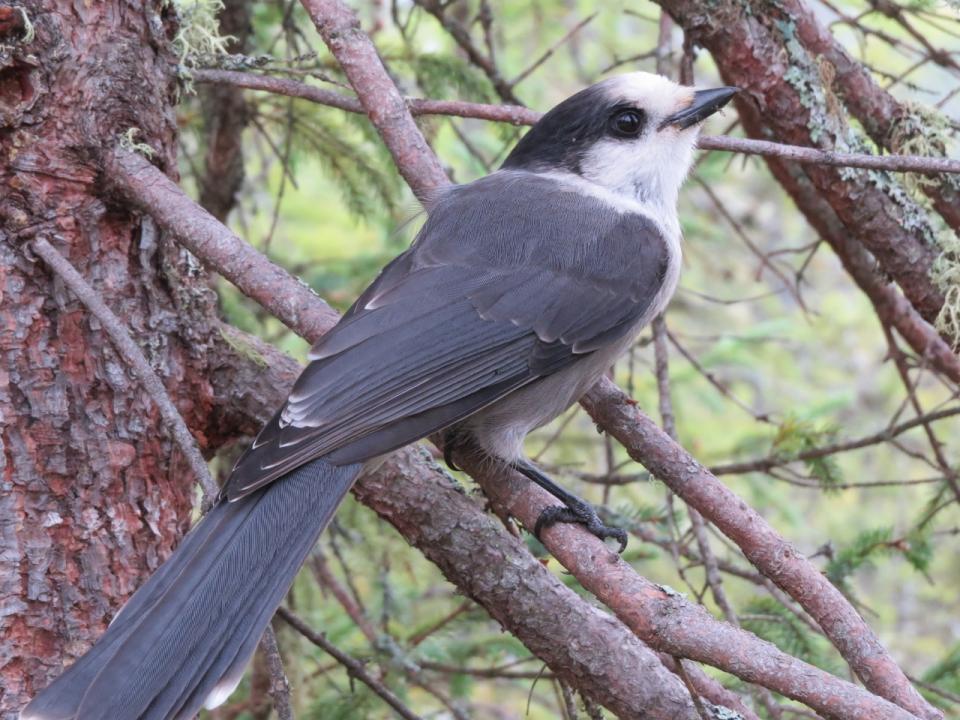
627, 123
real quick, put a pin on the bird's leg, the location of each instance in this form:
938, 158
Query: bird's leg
573, 510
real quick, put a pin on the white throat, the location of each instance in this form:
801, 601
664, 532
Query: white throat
648, 173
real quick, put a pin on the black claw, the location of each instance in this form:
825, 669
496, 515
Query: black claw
448, 448
581, 513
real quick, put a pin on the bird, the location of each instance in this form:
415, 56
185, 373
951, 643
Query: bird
518, 292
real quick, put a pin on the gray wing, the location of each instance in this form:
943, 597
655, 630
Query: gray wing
512, 278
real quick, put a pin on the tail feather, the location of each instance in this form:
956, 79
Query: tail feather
185, 637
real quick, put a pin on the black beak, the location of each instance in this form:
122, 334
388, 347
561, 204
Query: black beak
705, 103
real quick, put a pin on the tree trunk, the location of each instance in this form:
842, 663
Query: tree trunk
94, 494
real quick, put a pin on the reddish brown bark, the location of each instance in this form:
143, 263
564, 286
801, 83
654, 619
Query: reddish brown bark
12, 24
93, 491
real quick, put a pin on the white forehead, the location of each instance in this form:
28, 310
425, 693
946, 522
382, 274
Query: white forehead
655, 94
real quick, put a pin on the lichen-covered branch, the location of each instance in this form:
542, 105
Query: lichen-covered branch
887, 121
891, 306
755, 48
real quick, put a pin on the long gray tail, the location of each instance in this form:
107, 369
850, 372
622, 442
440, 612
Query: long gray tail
184, 638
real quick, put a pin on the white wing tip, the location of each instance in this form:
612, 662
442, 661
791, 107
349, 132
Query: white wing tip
28, 714
221, 691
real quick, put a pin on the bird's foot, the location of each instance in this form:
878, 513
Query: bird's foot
579, 511
453, 440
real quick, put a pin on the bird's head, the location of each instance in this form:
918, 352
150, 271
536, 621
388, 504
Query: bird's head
632, 134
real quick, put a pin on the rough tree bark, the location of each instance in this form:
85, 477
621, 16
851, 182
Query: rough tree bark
93, 493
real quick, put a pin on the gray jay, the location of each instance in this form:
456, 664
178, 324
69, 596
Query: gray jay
519, 291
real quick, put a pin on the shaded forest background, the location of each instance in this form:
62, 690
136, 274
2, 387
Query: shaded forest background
769, 351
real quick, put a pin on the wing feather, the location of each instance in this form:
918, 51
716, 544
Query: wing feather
512, 278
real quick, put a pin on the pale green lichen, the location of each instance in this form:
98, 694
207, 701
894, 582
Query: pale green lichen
719, 712
198, 41
922, 131
29, 33
128, 141
242, 347
946, 275
926, 132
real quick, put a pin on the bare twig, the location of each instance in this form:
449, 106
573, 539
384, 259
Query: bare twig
461, 36
383, 103
885, 435
709, 688
495, 672
325, 578
513, 114
890, 305
697, 523
716, 383
899, 359
354, 667
279, 686
135, 358
519, 115
813, 156
552, 49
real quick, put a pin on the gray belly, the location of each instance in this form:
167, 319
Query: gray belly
501, 427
